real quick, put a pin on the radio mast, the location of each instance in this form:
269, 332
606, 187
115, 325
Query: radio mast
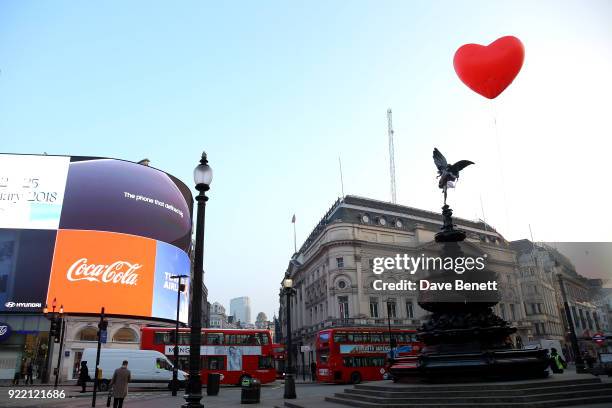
391, 155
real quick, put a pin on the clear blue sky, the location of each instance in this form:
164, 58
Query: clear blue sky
275, 91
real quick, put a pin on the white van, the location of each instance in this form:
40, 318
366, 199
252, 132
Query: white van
146, 366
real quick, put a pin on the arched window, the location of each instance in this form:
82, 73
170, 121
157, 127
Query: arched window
88, 334
125, 335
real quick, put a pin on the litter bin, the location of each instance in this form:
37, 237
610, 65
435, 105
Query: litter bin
212, 386
251, 391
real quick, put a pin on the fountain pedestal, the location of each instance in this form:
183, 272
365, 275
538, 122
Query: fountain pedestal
462, 337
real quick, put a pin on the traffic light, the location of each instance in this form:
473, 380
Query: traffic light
58, 331
181, 287
55, 330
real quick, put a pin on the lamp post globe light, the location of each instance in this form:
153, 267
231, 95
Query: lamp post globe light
289, 380
202, 176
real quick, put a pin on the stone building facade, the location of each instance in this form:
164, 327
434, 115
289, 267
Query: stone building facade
81, 333
333, 270
541, 266
540, 290
219, 318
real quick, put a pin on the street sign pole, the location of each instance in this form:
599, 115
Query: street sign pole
101, 333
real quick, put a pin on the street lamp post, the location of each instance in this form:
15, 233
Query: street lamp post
572, 330
180, 288
61, 330
203, 177
289, 380
392, 342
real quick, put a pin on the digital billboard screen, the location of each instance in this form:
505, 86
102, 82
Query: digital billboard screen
92, 232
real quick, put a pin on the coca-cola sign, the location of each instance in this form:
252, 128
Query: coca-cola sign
119, 272
94, 269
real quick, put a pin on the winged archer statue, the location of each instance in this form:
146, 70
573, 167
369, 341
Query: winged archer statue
448, 173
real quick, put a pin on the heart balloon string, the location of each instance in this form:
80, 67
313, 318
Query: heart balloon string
500, 159
488, 70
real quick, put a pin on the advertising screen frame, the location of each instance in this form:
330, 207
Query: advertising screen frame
185, 194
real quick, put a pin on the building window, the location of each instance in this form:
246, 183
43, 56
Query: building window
409, 309
88, 334
374, 307
125, 335
513, 312
583, 323
340, 262
341, 284
391, 309
596, 319
343, 305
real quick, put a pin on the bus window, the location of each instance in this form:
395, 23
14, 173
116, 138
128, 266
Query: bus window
377, 361
348, 361
216, 363
162, 338
323, 358
265, 362
340, 338
263, 338
324, 337
214, 338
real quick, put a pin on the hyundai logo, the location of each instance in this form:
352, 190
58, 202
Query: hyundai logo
9, 304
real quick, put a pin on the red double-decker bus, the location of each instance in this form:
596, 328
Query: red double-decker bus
235, 354
352, 355
279, 357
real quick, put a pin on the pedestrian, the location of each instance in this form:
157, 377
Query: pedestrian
16, 377
588, 359
519, 342
119, 384
83, 376
313, 371
557, 364
29, 371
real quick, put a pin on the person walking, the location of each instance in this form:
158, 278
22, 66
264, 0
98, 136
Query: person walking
29, 371
119, 384
313, 371
557, 364
83, 376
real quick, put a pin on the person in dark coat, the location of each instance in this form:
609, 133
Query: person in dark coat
83, 376
119, 383
313, 371
29, 371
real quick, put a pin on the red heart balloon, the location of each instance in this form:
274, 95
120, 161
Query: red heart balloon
488, 70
